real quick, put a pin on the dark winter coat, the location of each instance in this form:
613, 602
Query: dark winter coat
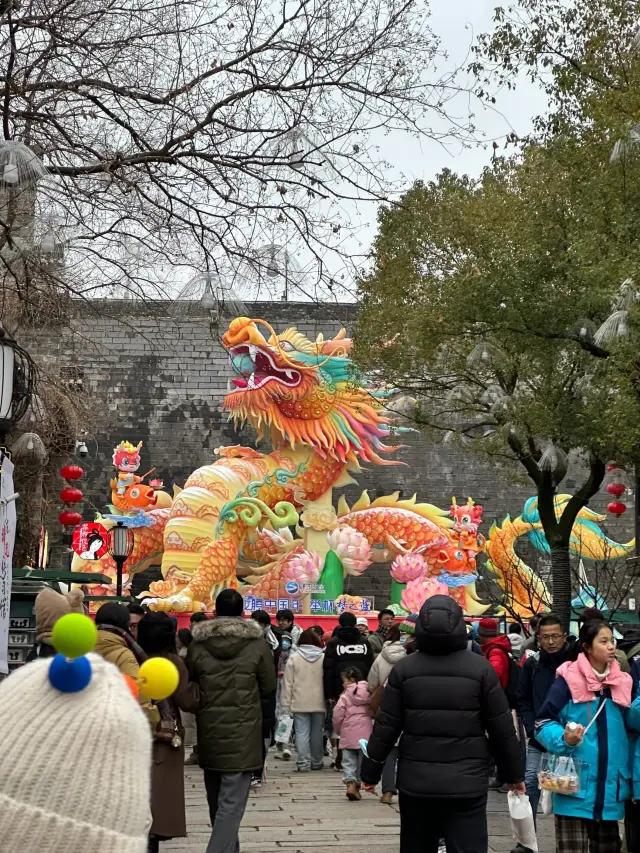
233, 665
377, 640
628, 644
536, 678
346, 648
40, 650
448, 705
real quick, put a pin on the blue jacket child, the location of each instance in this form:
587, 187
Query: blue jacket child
599, 703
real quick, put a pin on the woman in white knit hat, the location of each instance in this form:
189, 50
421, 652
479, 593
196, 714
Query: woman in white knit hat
74, 767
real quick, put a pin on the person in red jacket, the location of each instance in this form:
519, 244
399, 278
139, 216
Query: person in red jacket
496, 647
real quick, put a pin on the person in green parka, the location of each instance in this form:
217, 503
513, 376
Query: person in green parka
232, 664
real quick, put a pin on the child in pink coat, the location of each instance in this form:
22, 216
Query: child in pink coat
352, 721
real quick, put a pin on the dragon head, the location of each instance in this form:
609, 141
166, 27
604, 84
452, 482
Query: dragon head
303, 393
126, 457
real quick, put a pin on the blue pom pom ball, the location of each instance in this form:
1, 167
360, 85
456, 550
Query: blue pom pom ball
69, 676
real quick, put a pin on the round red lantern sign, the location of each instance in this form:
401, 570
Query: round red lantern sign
90, 541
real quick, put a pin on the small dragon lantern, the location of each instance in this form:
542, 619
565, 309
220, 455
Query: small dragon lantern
126, 459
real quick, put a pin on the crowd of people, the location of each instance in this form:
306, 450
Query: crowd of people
435, 710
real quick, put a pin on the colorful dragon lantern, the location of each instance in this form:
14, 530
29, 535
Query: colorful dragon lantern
230, 524
126, 459
145, 508
524, 591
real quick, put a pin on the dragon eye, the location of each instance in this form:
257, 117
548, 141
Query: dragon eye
465, 519
286, 346
125, 461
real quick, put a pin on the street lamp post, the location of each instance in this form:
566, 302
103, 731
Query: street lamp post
17, 376
121, 544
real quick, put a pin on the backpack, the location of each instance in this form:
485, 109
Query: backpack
511, 690
633, 651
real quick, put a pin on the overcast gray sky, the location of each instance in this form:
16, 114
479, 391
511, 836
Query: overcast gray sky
457, 23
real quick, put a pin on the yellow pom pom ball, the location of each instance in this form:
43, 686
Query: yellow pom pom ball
74, 635
158, 678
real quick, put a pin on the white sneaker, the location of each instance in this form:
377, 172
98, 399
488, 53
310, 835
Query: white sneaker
286, 755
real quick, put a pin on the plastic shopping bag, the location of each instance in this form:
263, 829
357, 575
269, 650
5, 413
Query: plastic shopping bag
284, 729
546, 802
522, 825
561, 774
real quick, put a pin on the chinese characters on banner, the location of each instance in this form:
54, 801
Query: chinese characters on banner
7, 539
319, 607
271, 604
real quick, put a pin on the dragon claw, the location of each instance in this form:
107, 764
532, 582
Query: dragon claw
178, 603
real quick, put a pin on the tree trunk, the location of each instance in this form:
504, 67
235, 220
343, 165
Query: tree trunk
558, 530
561, 577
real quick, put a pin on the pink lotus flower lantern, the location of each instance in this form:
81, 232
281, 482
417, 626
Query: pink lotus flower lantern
408, 567
304, 567
418, 591
352, 548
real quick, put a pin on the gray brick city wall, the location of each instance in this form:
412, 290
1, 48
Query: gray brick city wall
161, 380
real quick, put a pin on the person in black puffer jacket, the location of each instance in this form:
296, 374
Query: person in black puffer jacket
347, 647
448, 705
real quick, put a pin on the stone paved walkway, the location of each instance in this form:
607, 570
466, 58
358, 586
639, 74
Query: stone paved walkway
309, 813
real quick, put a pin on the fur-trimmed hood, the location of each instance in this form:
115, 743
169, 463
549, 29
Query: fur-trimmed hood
224, 636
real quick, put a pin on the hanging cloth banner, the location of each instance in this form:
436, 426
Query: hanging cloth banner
7, 540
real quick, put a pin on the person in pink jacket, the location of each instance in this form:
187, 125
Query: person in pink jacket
352, 720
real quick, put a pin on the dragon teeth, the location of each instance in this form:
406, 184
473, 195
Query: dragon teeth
289, 374
252, 381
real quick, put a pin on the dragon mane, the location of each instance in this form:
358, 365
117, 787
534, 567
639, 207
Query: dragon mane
332, 410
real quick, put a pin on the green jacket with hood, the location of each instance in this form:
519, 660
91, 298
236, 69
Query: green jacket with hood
233, 665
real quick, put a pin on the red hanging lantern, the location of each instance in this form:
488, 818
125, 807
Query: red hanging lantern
71, 495
612, 466
71, 472
617, 508
616, 489
69, 518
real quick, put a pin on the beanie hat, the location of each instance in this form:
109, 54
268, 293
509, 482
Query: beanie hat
75, 770
50, 606
488, 628
408, 625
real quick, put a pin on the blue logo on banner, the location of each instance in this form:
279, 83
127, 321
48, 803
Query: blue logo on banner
291, 587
